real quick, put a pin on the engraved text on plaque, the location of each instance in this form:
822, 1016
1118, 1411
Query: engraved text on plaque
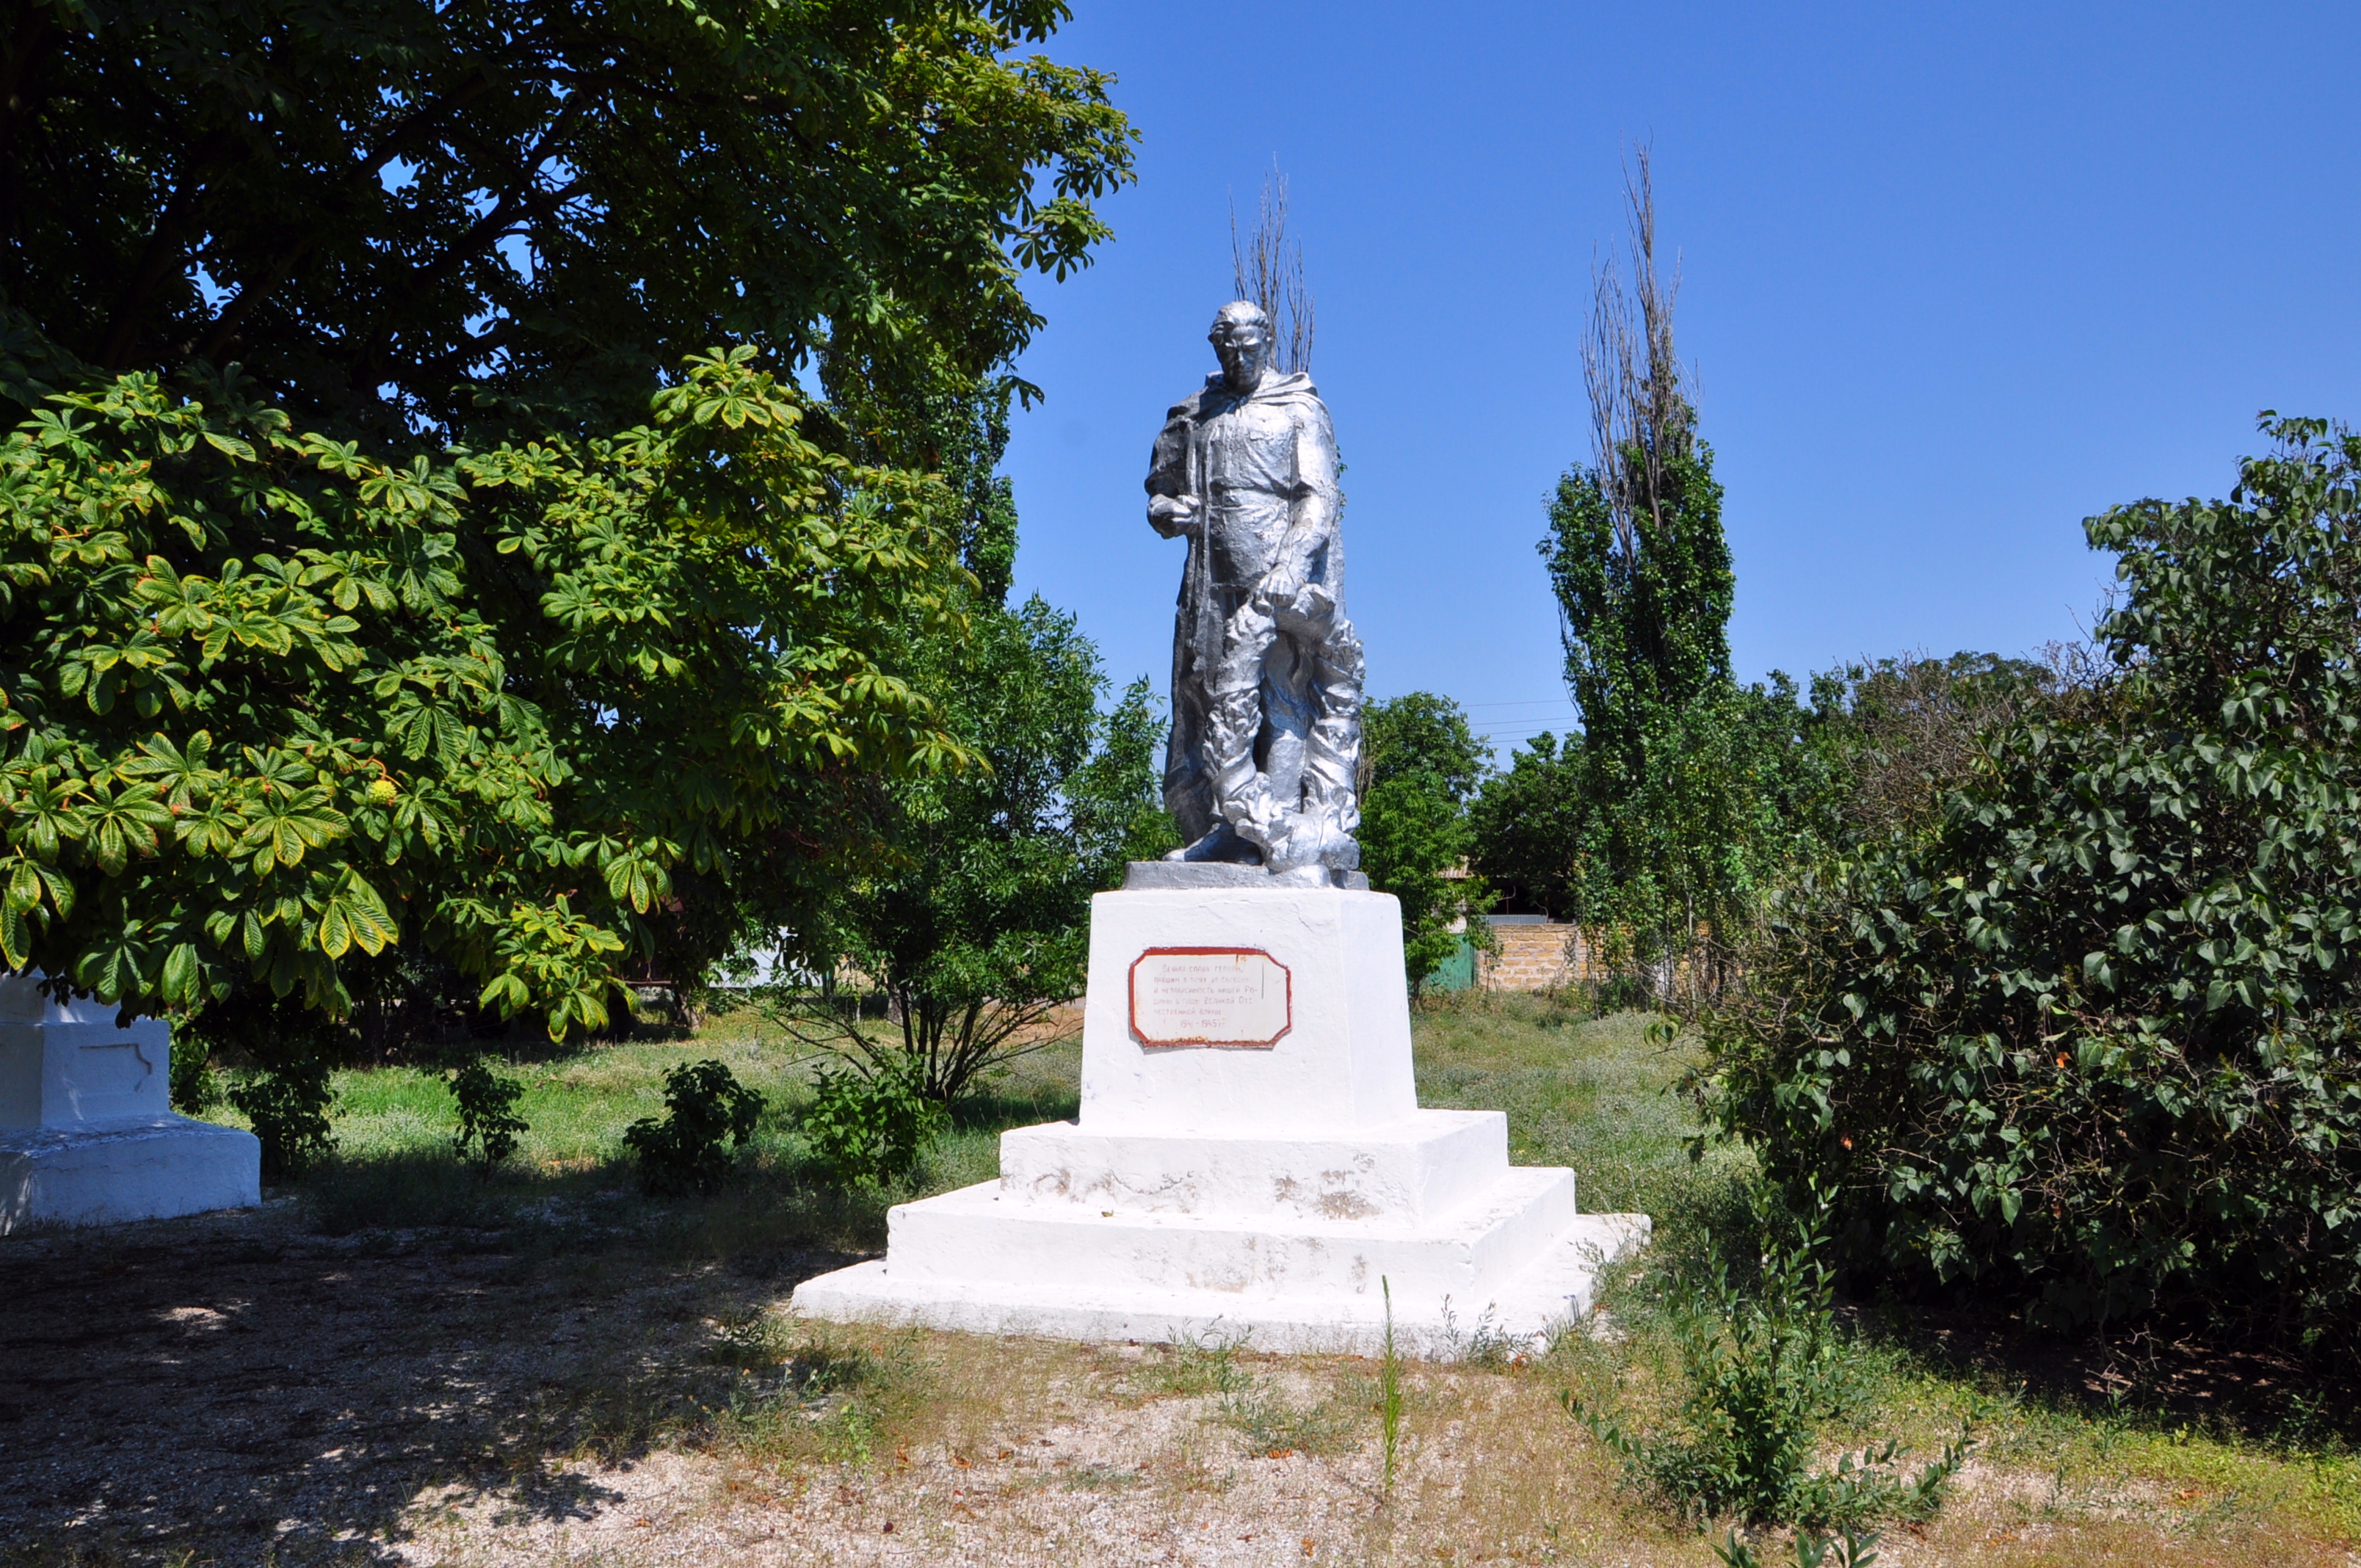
1210, 996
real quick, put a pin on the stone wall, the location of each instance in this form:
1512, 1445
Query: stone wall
1534, 958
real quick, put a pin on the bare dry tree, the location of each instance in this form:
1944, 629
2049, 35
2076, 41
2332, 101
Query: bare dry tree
1269, 270
1639, 405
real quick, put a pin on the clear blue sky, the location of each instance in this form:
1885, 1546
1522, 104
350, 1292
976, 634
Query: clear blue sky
1951, 278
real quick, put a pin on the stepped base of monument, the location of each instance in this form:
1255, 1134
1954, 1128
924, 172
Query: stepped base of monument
1553, 1290
1290, 1242
1250, 1160
1420, 1164
139, 1167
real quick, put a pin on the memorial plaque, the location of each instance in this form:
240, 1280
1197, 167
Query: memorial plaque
1210, 996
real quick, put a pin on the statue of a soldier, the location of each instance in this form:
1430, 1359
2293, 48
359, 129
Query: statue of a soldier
1266, 669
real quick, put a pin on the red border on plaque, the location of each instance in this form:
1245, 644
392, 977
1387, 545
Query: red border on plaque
1131, 998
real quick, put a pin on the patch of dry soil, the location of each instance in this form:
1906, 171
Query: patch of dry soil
232, 1386
236, 1390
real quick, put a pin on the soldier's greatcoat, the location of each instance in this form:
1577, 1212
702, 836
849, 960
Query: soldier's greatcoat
1266, 699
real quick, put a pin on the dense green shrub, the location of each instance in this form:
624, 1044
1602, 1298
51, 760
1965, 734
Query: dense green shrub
868, 1127
289, 1110
2088, 1040
487, 1119
709, 1115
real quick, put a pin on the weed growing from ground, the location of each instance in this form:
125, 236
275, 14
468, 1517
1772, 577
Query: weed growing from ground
1762, 1367
1389, 1395
1272, 1423
488, 1118
811, 1391
1275, 1426
849, 1437
1205, 1363
1101, 1478
865, 1127
706, 1107
1486, 1346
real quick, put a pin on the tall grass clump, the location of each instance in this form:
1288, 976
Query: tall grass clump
1762, 1365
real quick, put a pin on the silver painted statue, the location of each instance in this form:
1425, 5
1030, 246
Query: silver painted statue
1266, 669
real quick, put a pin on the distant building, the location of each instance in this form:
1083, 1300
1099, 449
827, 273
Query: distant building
1537, 953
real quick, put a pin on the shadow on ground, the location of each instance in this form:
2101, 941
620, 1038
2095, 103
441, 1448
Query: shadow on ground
2160, 1373
247, 1387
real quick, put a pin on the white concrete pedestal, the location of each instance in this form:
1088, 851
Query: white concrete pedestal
87, 1132
1250, 1161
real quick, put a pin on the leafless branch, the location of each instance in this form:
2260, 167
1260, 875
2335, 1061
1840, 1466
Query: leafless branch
1268, 270
1640, 411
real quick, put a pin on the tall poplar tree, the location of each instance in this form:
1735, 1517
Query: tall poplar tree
1676, 819
1636, 553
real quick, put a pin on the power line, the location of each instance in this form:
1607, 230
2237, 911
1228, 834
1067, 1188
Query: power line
1535, 702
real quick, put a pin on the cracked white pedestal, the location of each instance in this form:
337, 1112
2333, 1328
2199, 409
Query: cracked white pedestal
87, 1132
1257, 1188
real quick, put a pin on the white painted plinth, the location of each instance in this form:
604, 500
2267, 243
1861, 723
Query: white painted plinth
87, 1132
1261, 1187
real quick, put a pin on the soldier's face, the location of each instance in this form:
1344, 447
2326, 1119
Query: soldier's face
1243, 352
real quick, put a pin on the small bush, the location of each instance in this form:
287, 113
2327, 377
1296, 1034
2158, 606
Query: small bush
196, 1087
288, 1110
708, 1116
488, 1118
1277, 1426
1763, 1368
866, 1127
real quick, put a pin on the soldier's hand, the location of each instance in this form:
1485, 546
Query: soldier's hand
1175, 515
1279, 586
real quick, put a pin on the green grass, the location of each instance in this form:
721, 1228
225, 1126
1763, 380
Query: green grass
1595, 1093
1590, 1093
577, 1103
393, 1165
